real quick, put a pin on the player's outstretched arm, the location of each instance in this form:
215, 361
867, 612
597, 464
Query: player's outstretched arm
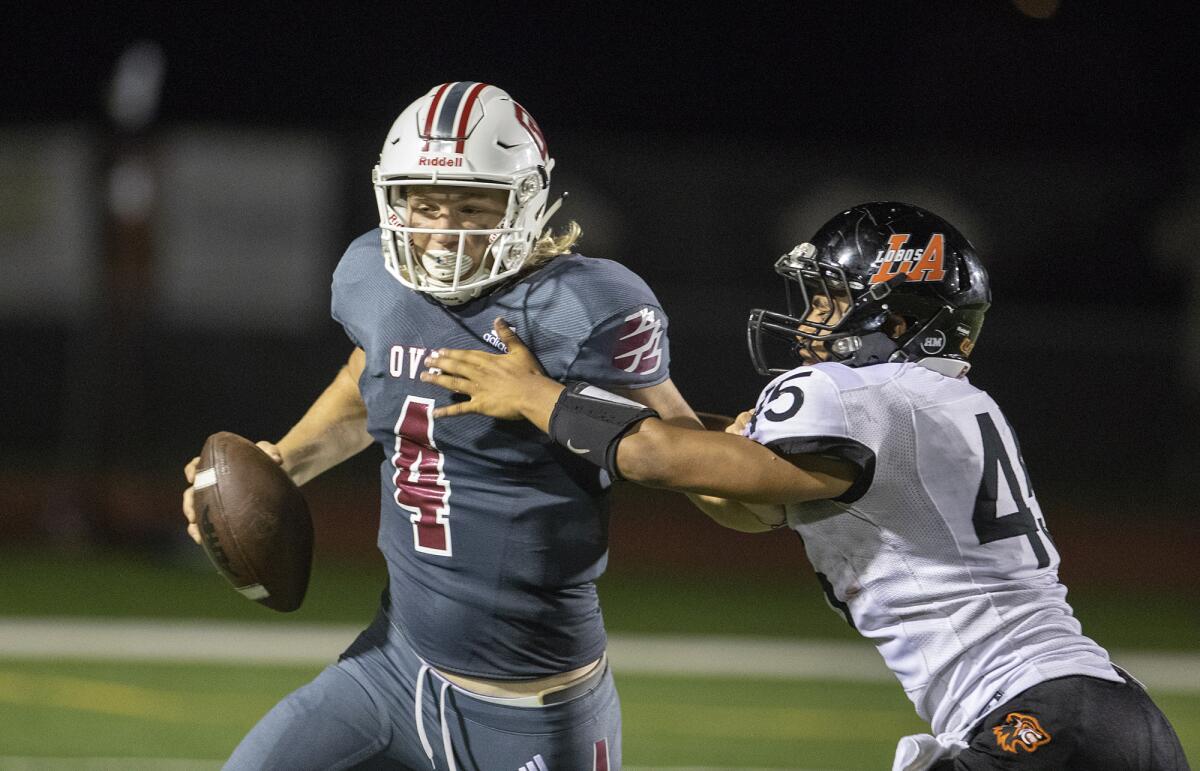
727, 466
735, 515
647, 450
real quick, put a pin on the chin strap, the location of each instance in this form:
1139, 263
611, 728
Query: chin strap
550, 211
864, 350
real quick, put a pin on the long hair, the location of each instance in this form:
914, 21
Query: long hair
549, 246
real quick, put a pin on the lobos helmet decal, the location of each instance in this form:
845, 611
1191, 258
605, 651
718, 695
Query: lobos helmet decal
1020, 732
925, 264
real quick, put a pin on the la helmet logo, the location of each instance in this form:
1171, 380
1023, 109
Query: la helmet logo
923, 264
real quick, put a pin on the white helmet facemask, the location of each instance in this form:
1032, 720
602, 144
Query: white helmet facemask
463, 136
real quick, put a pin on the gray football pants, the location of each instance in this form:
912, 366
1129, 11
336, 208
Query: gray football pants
380, 707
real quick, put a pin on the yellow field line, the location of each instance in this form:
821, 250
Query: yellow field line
102, 696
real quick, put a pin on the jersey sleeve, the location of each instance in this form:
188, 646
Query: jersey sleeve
626, 350
354, 279
801, 413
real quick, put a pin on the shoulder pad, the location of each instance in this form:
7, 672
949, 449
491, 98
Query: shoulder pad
803, 402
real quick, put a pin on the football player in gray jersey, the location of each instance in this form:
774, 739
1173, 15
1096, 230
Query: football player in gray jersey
488, 651
905, 482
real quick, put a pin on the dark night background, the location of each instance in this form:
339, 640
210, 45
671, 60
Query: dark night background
697, 146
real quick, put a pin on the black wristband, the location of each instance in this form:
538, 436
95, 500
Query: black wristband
590, 422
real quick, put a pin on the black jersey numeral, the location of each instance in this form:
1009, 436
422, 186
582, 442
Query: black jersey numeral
988, 526
831, 598
782, 389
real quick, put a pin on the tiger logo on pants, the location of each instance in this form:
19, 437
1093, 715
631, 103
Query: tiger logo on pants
1020, 732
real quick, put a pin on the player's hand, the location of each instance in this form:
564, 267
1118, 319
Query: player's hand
189, 495
738, 426
499, 384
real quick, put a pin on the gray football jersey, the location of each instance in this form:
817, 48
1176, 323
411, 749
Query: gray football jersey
493, 534
939, 553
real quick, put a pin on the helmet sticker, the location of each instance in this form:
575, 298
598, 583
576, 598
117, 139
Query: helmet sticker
924, 264
933, 342
526, 120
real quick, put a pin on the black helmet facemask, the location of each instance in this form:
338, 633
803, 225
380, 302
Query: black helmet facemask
857, 338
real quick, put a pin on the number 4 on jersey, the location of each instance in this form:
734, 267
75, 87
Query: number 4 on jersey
421, 487
988, 526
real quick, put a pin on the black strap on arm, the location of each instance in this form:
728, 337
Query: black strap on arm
590, 422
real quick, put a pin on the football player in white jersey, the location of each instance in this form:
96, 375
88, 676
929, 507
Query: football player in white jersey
905, 482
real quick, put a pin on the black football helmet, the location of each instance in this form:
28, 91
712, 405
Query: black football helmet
872, 261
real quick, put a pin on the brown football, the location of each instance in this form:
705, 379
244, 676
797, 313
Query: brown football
254, 522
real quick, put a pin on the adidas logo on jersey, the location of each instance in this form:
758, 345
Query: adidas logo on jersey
490, 338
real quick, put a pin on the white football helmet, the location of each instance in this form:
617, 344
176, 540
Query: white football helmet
463, 134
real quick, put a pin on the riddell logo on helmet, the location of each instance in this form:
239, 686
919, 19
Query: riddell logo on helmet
439, 160
919, 264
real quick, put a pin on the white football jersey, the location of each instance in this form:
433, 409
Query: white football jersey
939, 553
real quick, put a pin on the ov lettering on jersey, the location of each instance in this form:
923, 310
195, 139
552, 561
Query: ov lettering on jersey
405, 360
639, 346
924, 264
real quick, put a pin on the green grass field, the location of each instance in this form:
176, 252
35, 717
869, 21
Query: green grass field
192, 711
77, 709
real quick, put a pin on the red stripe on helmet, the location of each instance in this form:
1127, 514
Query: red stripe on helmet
526, 120
465, 115
433, 108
